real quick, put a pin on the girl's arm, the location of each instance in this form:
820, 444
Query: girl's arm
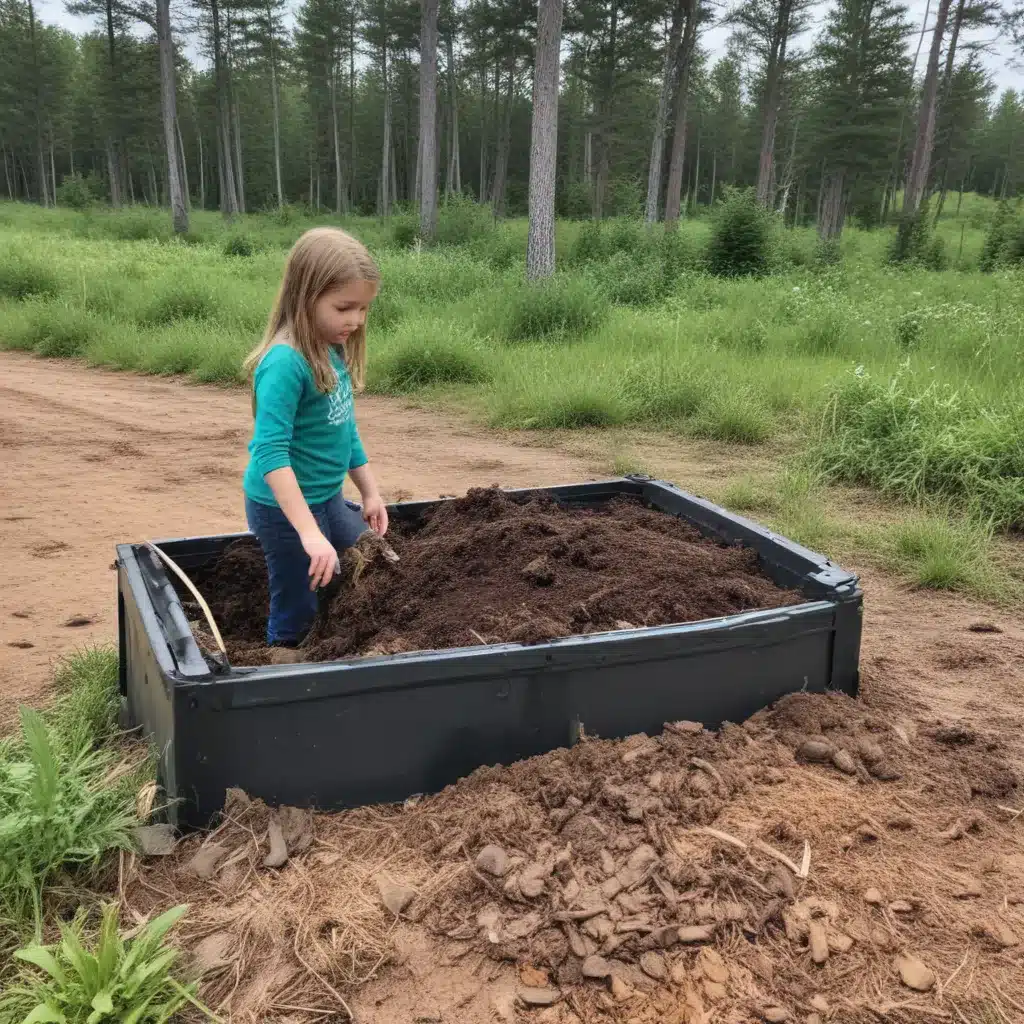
322, 556
375, 512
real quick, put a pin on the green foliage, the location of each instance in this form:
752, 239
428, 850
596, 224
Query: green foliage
25, 279
916, 441
943, 551
419, 362
916, 241
461, 220
54, 330
187, 300
741, 237
1004, 240
239, 245
404, 232
55, 812
112, 979
563, 308
78, 192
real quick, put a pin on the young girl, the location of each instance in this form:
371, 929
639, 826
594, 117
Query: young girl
305, 439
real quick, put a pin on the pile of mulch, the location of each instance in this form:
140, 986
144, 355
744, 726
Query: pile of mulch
822, 861
489, 568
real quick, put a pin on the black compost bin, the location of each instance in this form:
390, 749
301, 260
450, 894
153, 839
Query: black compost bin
376, 729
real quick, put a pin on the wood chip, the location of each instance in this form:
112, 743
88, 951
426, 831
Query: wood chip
817, 939
697, 933
915, 974
530, 996
596, 967
874, 897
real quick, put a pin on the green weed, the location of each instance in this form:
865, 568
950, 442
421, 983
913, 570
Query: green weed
25, 279
188, 300
419, 362
560, 308
113, 979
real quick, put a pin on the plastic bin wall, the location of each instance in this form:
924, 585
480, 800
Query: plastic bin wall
370, 730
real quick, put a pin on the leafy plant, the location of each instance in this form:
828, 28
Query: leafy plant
741, 237
57, 809
119, 979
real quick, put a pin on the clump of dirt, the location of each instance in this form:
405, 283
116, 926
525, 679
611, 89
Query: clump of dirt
690, 876
490, 568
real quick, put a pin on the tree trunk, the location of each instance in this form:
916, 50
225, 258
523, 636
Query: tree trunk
183, 165
920, 164
696, 171
499, 190
202, 174
339, 192
947, 85
772, 102
787, 175
714, 173
482, 196
668, 82
276, 100
386, 170
239, 166
833, 207
453, 179
43, 192
7, 176
53, 171
428, 119
540, 241
228, 196
352, 108
115, 168
674, 191
169, 116
605, 105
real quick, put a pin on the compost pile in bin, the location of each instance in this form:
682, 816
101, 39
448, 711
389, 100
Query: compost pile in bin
827, 860
488, 568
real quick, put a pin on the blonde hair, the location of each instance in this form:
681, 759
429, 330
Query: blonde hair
322, 258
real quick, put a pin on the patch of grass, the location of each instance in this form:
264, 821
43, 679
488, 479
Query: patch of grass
735, 416
26, 279
563, 308
111, 978
188, 300
748, 495
425, 359
944, 552
54, 330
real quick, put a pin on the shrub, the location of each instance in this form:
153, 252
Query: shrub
239, 245
185, 301
24, 279
734, 417
1002, 240
78, 192
917, 243
740, 242
135, 226
589, 246
628, 281
908, 329
117, 979
388, 309
576, 201
559, 307
404, 232
461, 219
419, 364
55, 811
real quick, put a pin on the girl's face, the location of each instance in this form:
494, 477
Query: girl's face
342, 310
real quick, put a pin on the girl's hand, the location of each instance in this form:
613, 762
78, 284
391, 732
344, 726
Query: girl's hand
322, 559
375, 513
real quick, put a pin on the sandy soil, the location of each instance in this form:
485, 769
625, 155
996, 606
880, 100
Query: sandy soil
93, 458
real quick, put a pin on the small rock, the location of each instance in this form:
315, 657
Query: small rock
611, 887
874, 897
653, 965
531, 887
655, 781
278, 855
819, 1003
155, 840
678, 974
696, 933
599, 928
816, 749
596, 967
685, 727
534, 977
396, 896
621, 992
870, 751
712, 966
204, 863
642, 858
969, 887
715, 992
665, 937
539, 571
901, 907
530, 996
1001, 933
914, 974
489, 918
880, 937
838, 942
493, 860
775, 1014
844, 761
818, 941
607, 862
571, 891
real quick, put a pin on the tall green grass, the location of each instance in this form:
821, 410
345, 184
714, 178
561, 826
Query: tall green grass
633, 330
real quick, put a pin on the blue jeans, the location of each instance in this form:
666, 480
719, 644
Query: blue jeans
293, 605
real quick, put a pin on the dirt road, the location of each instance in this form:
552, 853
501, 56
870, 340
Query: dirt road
90, 459
93, 458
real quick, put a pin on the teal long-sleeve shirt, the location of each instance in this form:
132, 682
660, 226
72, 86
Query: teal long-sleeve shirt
296, 425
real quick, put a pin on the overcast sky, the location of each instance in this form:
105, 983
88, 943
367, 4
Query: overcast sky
997, 61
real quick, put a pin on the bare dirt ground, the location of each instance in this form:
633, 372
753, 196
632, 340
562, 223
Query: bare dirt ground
917, 866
